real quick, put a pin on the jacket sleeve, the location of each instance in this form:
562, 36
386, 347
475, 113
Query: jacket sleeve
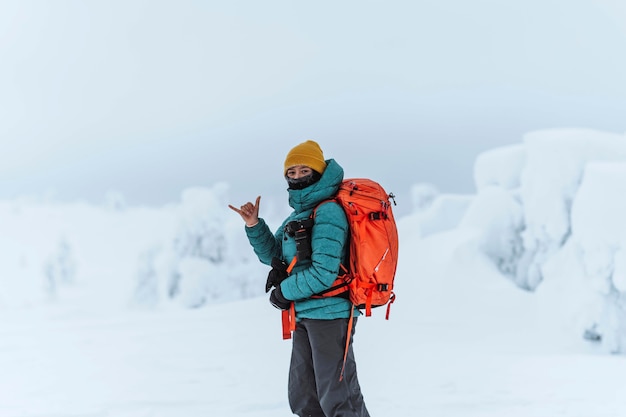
265, 244
328, 244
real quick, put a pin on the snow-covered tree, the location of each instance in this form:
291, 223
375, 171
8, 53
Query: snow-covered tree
599, 233
207, 260
496, 216
549, 213
60, 267
146, 292
554, 167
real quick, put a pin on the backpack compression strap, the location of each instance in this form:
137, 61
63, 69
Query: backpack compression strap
345, 352
289, 315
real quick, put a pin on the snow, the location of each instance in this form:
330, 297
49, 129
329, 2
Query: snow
135, 312
443, 212
500, 166
496, 217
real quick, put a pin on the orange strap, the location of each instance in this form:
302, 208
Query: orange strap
368, 303
348, 336
289, 315
391, 300
292, 264
289, 321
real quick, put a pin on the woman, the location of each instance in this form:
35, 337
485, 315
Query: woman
316, 388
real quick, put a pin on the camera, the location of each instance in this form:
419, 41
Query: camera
300, 231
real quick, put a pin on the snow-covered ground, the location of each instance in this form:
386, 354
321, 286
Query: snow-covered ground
116, 311
456, 344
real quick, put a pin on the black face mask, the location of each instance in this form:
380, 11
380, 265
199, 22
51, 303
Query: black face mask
303, 182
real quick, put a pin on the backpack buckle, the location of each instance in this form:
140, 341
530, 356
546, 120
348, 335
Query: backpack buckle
377, 215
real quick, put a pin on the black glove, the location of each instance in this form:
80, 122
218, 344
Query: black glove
277, 274
277, 299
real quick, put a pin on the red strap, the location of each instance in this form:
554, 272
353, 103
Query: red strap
348, 336
292, 316
286, 331
391, 300
368, 303
338, 287
289, 321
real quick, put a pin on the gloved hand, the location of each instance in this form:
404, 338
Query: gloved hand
278, 300
276, 275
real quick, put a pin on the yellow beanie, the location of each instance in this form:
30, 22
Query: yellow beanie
307, 153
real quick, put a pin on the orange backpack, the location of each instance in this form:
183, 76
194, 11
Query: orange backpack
373, 255
373, 240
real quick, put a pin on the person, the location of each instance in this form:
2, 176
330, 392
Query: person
316, 385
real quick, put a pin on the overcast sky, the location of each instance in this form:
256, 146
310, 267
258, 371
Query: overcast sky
149, 97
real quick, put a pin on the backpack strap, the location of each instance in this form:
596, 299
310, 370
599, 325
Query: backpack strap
340, 286
348, 336
289, 315
391, 300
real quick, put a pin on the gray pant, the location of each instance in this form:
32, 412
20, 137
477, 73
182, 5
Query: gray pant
316, 361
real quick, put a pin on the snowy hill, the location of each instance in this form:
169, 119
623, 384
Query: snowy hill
114, 311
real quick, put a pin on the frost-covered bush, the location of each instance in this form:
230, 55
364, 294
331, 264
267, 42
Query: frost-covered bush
146, 293
496, 217
199, 247
60, 267
35, 260
201, 224
190, 253
205, 260
497, 213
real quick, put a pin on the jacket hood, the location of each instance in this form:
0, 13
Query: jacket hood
324, 189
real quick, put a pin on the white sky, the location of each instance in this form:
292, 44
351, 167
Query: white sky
148, 97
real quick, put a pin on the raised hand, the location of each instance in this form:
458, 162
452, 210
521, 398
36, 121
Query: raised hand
249, 212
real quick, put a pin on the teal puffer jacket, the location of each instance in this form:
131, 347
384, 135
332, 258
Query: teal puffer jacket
328, 243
